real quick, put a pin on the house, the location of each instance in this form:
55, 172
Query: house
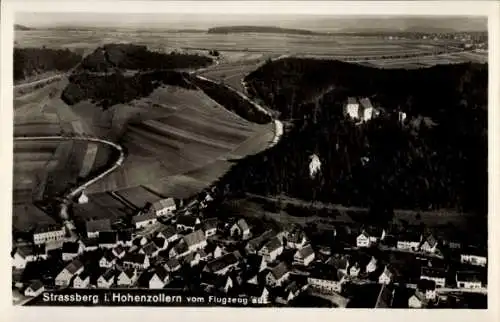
217, 252
34, 289
135, 260
48, 233
255, 244
25, 254
187, 222
119, 251
150, 250
192, 259
126, 277
223, 264
401, 116
159, 278
140, 241
179, 250
107, 239
468, 280
255, 264
144, 219
352, 108
164, 207
278, 275
363, 240
288, 293
124, 238
324, 279
296, 239
409, 241
107, 259
259, 294
272, 249
204, 255
217, 282
240, 229
195, 240
70, 250
473, 256
429, 244
368, 112
417, 300
428, 288
172, 265
82, 280
160, 243
304, 256
354, 269
339, 262
107, 279
386, 276
372, 265
210, 227
94, 227
90, 244
438, 275
168, 233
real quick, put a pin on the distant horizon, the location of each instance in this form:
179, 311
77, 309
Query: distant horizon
320, 23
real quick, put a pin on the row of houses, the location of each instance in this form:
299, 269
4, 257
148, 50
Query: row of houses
418, 242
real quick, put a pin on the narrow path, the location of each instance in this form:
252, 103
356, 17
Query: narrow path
66, 200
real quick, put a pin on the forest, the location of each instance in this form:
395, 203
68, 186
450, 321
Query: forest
33, 61
135, 57
383, 164
231, 100
116, 88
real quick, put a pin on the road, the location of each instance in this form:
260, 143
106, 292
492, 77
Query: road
321, 205
37, 82
77, 190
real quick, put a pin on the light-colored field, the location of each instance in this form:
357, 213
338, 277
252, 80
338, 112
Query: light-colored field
139, 196
243, 42
101, 205
180, 131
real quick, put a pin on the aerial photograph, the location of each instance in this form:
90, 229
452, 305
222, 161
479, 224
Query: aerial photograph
250, 160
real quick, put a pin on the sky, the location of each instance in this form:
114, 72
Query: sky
204, 21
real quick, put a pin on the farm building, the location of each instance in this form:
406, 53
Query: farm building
164, 207
48, 233
93, 227
144, 220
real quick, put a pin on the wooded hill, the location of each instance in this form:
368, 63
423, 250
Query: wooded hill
415, 165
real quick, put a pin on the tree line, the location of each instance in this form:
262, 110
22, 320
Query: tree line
33, 61
135, 57
411, 165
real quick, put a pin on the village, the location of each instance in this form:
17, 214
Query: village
174, 246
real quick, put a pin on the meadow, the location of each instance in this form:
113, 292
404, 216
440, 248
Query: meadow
178, 141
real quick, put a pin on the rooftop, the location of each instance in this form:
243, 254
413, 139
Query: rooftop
194, 238
134, 258
187, 220
74, 266
280, 270
98, 225
163, 203
222, 262
143, 217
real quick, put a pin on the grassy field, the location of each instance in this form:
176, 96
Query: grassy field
176, 131
27, 216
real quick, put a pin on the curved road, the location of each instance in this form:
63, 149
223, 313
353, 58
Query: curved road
77, 190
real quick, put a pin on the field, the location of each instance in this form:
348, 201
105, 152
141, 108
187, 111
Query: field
177, 131
27, 216
180, 140
101, 205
